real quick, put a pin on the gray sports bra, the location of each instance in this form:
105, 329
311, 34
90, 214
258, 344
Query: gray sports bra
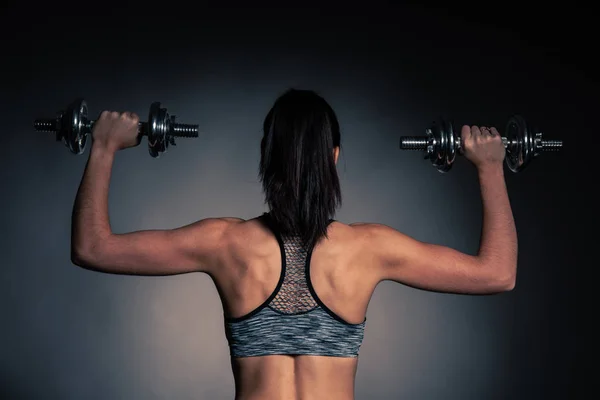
293, 320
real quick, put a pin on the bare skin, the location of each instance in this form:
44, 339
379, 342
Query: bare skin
244, 261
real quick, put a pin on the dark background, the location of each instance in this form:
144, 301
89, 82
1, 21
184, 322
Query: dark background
388, 71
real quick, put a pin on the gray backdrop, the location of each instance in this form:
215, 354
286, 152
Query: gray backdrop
69, 333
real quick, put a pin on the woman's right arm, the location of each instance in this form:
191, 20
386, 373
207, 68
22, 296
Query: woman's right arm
400, 258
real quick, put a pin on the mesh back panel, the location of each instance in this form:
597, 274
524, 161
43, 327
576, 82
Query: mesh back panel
293, 296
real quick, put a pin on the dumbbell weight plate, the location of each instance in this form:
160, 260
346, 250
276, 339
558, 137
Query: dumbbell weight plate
435, 148
519, 146
444, 146
158, 128
74, 128
450, 146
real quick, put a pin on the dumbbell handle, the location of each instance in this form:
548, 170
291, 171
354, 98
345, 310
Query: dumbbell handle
421, 142
177, 129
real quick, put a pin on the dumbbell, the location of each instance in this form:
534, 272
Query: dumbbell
72, 127
441, 144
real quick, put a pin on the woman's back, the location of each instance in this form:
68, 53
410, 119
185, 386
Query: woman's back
338, 278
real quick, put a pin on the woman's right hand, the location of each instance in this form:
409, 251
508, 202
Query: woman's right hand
482, 146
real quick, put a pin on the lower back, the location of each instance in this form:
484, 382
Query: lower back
294, 377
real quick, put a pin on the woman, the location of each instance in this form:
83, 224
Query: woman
295, 284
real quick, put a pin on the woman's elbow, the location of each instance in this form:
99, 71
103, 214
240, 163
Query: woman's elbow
506, 282
82, 258
78, 258
499, 279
